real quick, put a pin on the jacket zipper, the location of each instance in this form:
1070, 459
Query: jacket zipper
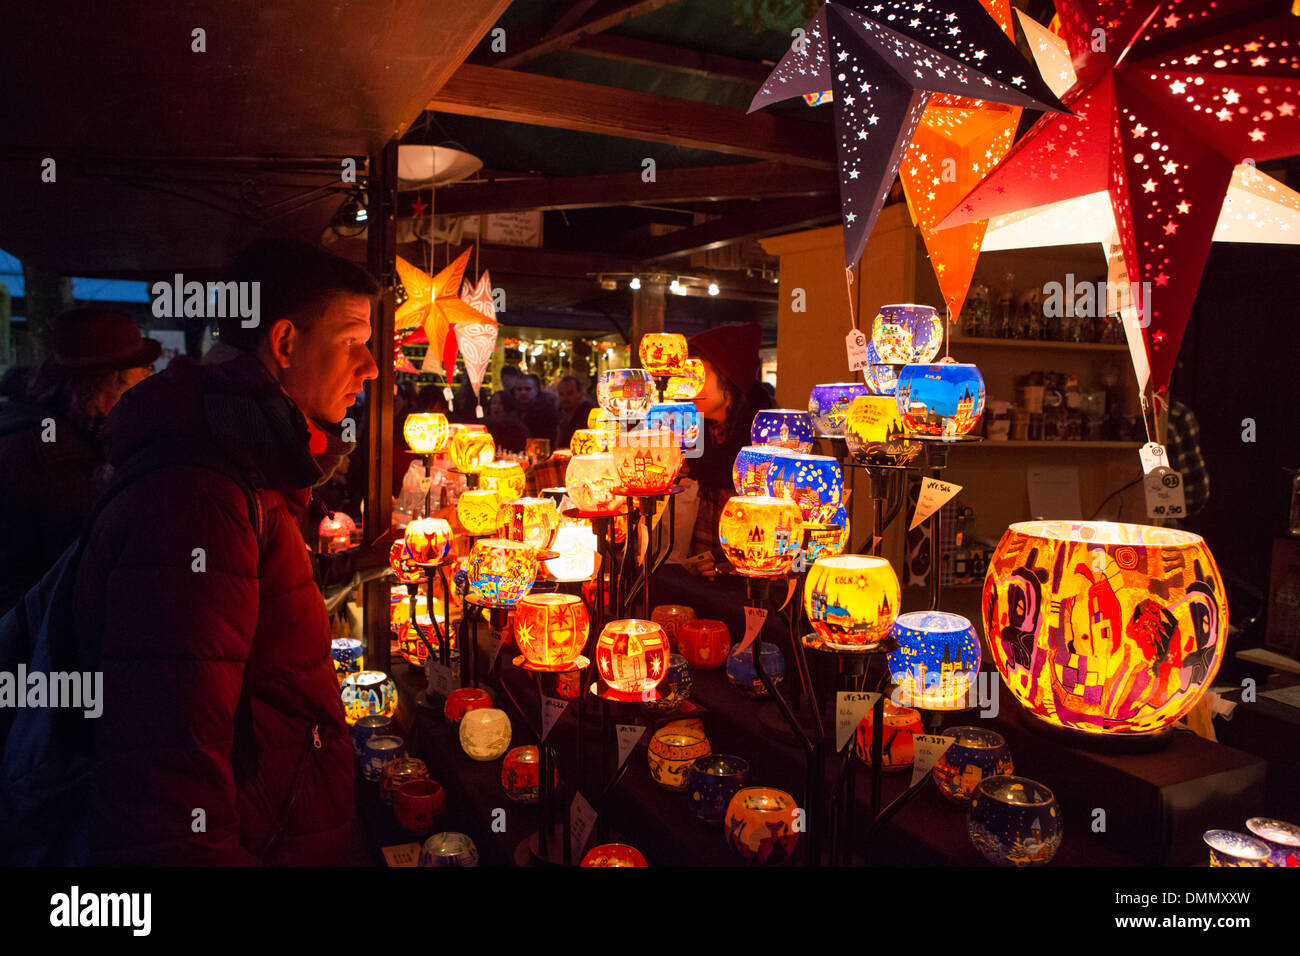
295, 790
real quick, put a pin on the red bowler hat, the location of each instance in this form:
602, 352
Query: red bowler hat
101, 340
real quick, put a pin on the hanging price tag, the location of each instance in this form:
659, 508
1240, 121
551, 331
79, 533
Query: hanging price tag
855, 345
582, 818
495, 640
552, 707
440, 678
850, 708
1164, 493
928, 748
934, 495
1153, 455
404, 854
628, 735
754, 618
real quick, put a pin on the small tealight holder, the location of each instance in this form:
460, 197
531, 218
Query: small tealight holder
429, 540
501, 571
975, 753
1014, 821
647, 462
464, 699
687, 383
626, 393
398, 772
712, 781
829, 403
576, 546
680, 418
750, 469
813, 482
426, 433
485, 734
377, 725
1230, 848
379, 753
789, 428
588, 441
632, 658
851, 600
366, 694
530, 521
673, 749
614, 854
759, 534
334, 533
348, 656
1283, 839
674, 689
591, 480
662, 352
906, 333
742, 674
760, 825
671, 617
419, 805
472, 447
551, 630
479, 510
704, 643
506, 478
449, 849
943, 400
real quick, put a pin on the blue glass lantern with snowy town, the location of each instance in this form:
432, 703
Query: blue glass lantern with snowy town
936, 661
943, 400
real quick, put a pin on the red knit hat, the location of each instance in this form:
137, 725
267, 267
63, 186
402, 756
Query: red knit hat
732, 350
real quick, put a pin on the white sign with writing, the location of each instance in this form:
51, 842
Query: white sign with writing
855, 345
552, 707
754, 618
928, 748
934, 495
850, 708
1153, 455
1164, 493
440, 677
582, 818
628, 735
404, 854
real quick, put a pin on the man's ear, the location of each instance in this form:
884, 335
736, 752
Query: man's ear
280, 343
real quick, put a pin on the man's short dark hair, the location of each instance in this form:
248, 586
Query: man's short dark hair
296, 278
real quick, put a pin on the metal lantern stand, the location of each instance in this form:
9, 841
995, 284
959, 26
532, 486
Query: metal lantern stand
643, 508
611, 707
439, 642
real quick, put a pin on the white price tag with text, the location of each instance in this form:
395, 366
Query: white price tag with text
582, 818
552, 707
404, 854
855, 345
440, 677
754, 618
928, 749
850, 708
934, 495
1153, 455
1164, 493
495, 640
628, 735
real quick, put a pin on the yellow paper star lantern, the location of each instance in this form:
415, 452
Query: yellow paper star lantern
435, 303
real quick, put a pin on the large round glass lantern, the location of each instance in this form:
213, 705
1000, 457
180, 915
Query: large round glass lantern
626, 392
749, 472
472, 447
501, 571
485, 733
506, 478
368, 694
941, 400
591, 480
783, 427
551, 630
479, 510
647, 462
906, 334
813, 482
851, 600
662, 352
935, 663
687, 382
429, 540
680, 418
876, 434
829, 403
760, 534
632, 658
1105, 628
532, 521
426, 433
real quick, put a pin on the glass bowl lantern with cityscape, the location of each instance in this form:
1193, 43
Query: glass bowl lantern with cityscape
897, 736
368, 694
1283, 839
591, 480
749, 472
426, 433
1105, 628
906, 334
485, 734
348, 655
761, 825
520, 774
647, 462
506, 478
687, 382
588, 441
712, 781
813, 482
783, 428
551, 630
829, 403
1014, 821
760, 534
943, 400
626, 393
500, 571
479, 511
632, 658
429, 540
472, 447
662, 353
851, 600
974, 754
936, 661
742, 674
680, 418
530, 521
673, 748
876, 434
1232, 849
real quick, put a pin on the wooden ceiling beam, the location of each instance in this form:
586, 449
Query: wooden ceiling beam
765, 219
492, 93
611, 46
567, 31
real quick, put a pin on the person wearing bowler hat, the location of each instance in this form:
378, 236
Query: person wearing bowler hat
51, 441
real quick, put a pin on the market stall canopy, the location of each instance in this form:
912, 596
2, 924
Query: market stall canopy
171, 146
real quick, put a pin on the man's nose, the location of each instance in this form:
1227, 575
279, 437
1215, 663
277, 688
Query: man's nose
371, 370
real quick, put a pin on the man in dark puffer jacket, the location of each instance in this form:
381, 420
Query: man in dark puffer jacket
219, 691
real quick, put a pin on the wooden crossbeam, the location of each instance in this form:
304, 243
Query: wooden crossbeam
567, 30
765, 219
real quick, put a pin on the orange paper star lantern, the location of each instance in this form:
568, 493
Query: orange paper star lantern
434, 302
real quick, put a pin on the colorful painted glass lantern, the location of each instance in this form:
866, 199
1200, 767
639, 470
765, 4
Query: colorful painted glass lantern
449, 849
1229, 848
829, 538
742, 675
378, 725
588, 441
520, 777
897, 738
412, 648
403, 560
974, 754
347, 655
813, 482
613, 854
367, 694
783, 427
632, 658
472, 448
935, 663
378, 753
749, 472
671, 617
662, 352
479, 510
881, 379
682, 419
851, 600
501, 571
426, 433
1104, 627
673, 749
419, 805
675, 688
551, 630
704, 643
876, 434
600, 420
761, 825
335, 532
530, 521
591, 480
1014, 821
506, 478
575, 543
687, 383
399, 772
429, 540
829, 405
462, 700
941, 400
1283, 839
760, 534
712, 781
647, 462
626, 393
904, 334
485, 734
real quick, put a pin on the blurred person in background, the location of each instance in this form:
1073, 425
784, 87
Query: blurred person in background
574, 410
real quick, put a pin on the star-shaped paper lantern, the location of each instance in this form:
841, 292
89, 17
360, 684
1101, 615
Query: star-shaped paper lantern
1169, 98
882, 61
433, 303
478, 340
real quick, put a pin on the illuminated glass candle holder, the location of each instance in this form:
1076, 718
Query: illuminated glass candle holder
588, 441
506, 478
851, 600
674, 689
591, 480
520, 774
1014, 821
614, 854
936, 661
413, 650
829, 405
600, 420
876, 434
485, 734
704, 643
500, 571
742, 675
551, 630
379, 753
575, 543
907, 333
760, 534
662, 352
680, 418
749, 472
712, 781
426, 433
530, 521
647, 462
632, 658
479, 510
472, 448
368, 694
813, 482
829, 538
881, 379
399, 772
462, 700
687, 383
671, 617
1229, 848
1105, 628
974, 754
942, 400
378, 725
1283, 839
429, 540
449, 849
784, 428
402, 559
348, 656
335, 532
897, 739
626, 393
760, 825
673, 749
419, 805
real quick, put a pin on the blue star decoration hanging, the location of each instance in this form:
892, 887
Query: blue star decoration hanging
882, 60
